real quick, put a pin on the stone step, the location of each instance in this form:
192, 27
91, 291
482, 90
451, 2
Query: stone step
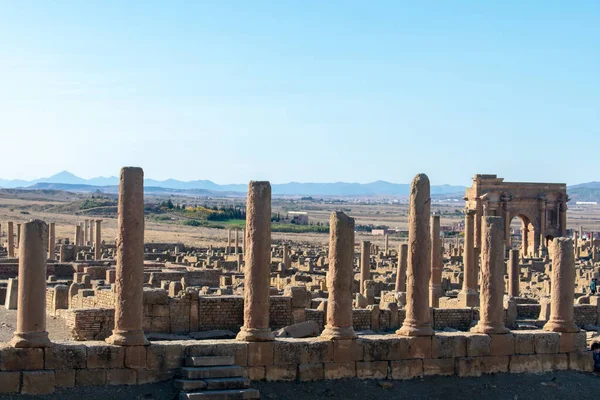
228, 371
227, 383
189, 385
236, 394
209, 361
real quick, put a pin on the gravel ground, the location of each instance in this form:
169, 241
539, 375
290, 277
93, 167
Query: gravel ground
57, 330
558, 385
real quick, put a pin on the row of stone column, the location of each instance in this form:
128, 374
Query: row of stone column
237, 244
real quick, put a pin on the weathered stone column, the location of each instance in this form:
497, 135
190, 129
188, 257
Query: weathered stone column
418, 315
18, 235
514, 272
387, 244
563, 287
491, 312
31, 303
401, 272
237, 240
257, 269
228, 249
85, 231
435, 281
98, 245
525, 240
129, 281
92, 227
340, 277
365, 264
11, 240
468, 296
51, 241
77, 240
286, 256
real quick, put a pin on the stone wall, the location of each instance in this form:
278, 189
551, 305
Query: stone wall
586, 314
361, 319
455, 318
88, 324
40, 371
528, 311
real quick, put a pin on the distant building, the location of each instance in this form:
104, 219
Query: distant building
382, 232
298, 217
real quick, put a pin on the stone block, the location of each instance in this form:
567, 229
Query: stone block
384, 348
160, 310
121, 376
105, 356
164, 357
547, 342
531, 364
281, 372
468, 366
554, 362
347, 350
448, 345
572, 342
502, 345
289, 351
10, 382
151, 376
438, 366
320, 351
64, 378
581, 361
524, 342
478, 345
372, 369
219, 347
135, 356
260, 353
38, 382
340, 370
256, 373
494, 364
418, 347
90, 377
406, 369
65, 356
12, 359
311, 372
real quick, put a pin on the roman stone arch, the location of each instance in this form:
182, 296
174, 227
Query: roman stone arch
541, 207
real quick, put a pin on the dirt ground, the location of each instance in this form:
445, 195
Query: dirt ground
558, 385
57, 330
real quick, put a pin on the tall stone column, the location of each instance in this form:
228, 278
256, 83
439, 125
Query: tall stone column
507, 219
31, 298
478, 215
401, 273
340, 277
98, 245
514, 273
491, 312
257, 270
562, 290
86, 227
92, 227
387, 244
563, 218
435, 281
525, 239
228, 249
51, 241
286, 256
237, 240
18, 235
365, 264
77, 241
543, 218
418, 315
11, 240
129, 282
468, 296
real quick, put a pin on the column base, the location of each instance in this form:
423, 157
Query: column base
468, 298
411, 328
255, 335
338, 333
128, 338
435, 292
497, 328
561, 326
30, 340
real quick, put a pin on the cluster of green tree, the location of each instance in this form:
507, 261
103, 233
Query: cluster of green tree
369, 228
96, 202
291, 228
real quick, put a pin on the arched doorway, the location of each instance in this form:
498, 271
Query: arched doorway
522, 235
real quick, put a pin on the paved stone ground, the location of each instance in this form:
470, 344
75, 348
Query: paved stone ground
57, 330
558, 385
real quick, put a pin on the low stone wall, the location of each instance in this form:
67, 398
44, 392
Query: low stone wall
586, 314
455, 318
67, 364
88, 324
528, 311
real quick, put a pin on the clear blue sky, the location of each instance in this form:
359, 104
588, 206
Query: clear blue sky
301, 90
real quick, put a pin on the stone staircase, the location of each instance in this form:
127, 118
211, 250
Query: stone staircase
214, 378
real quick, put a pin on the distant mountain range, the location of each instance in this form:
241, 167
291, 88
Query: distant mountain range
67, 181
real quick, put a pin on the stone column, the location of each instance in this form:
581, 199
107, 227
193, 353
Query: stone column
98, 245
507, 219
257, 270
468, 296
563, 218
77, 240
418, 314
340, 277
286, 256
562, 287
11, 240
92, 227
31, 303
237, 240
365, 264
401, 273
51, 241
525, 240
543, 219
129, 282
435, 281
85, 231
387, 244
18, 235
514, 272
228, 249
491, 312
